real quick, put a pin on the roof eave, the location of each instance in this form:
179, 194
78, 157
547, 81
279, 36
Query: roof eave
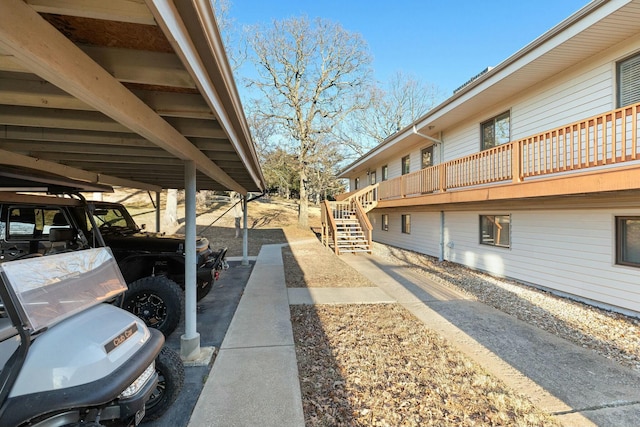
476, 87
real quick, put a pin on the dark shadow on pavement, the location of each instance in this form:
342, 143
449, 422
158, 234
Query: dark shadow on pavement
214, 314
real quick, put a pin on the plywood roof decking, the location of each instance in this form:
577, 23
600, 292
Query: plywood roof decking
43, 126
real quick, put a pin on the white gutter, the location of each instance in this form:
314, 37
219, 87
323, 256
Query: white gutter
415, 131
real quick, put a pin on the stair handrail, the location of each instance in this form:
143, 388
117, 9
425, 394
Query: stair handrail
332, 224
363, 219
368, 194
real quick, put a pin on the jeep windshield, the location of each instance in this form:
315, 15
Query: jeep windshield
114, 219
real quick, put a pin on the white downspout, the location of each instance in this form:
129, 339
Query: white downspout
441, 257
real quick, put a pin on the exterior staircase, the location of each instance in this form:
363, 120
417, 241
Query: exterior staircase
350, 237
345, 225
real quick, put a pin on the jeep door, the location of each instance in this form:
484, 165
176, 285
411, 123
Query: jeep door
24, 229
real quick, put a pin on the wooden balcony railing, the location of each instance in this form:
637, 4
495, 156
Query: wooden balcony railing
368, 197
606, 139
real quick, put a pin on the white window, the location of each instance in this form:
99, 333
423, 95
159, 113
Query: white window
629, 81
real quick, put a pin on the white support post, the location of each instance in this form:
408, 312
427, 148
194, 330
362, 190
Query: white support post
157, 211
190, 341
245, 232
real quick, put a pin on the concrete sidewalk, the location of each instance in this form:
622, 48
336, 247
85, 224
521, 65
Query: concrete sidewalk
579, 386
254, 380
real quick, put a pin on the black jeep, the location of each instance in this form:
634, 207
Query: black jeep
142, 253
151, 263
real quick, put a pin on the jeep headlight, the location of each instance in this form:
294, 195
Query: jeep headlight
139, 383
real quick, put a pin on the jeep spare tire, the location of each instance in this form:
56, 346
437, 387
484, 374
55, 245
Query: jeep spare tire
157, 300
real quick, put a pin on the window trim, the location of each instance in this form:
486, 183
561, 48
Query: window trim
385, 222
372, 177
406, 223
429, 149
635, 56
385, 172
619, 241
493, 120
406, 160
356, 183
481, 231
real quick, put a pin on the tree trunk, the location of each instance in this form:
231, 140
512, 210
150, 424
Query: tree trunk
171, 210
303, 206
237, 211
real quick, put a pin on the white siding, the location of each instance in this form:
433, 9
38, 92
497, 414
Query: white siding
571, 252
580, 92
577, 98
462, 141
425, 231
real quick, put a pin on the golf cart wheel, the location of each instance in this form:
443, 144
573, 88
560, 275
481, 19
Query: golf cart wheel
170, 381
156, 300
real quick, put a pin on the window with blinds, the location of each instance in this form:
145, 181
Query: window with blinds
629, 81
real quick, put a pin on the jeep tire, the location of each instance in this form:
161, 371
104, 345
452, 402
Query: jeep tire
157, 300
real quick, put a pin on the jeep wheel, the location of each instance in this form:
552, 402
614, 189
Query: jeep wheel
156, 300
170, 380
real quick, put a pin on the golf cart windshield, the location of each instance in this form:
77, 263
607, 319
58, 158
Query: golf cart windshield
51, 288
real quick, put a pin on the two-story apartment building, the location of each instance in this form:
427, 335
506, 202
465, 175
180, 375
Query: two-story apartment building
531, 170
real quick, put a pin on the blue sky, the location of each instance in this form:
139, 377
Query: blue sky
443, 42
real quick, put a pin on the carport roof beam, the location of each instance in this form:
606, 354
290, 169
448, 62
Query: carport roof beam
15, 159
49, 54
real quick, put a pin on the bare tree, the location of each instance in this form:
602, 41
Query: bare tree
235, 46
312, 76
406, 99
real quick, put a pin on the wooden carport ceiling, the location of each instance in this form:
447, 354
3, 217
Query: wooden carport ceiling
121, 93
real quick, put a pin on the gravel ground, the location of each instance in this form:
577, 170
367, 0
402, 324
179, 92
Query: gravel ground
613, 335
